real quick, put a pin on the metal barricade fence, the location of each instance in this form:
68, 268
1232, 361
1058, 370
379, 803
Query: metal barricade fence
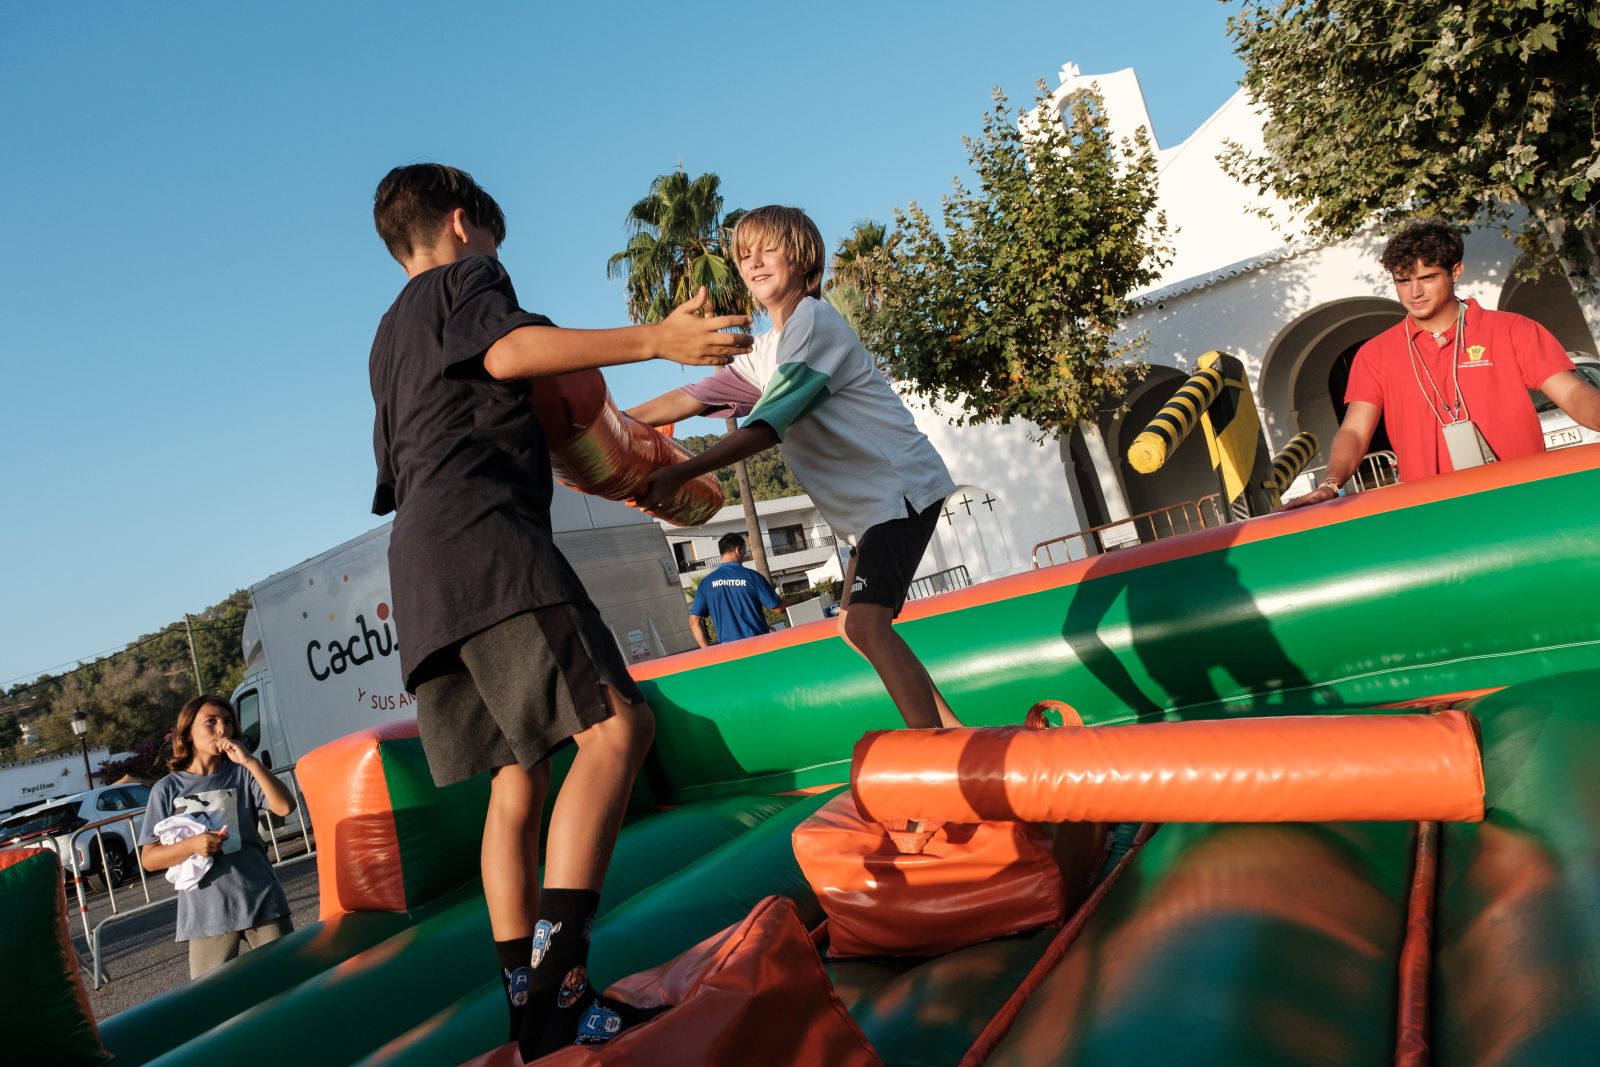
1376, 470
1184, 517
274, 840
940, 582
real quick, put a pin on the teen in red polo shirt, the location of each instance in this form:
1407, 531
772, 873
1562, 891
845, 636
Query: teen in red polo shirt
1448, 361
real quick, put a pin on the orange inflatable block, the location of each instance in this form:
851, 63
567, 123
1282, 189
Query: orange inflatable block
968, 883
756, 993
358, 845
596, 449
1313, 768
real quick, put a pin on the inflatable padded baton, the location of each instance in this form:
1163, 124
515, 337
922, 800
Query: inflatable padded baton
1310, 768
388, 839
756, 993
40, 987
596, 449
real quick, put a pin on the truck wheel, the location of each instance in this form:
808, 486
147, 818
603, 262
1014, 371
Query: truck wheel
118, 867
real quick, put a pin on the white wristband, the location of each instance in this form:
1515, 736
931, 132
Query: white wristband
1329, 483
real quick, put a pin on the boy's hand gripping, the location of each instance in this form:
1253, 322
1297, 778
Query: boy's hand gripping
688, 338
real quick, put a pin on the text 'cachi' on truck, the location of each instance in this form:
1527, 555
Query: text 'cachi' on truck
321, 641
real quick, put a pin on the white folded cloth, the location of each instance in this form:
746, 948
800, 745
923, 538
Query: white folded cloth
174, 828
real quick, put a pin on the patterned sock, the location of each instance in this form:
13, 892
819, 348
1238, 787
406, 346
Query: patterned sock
559, 990
605, 1018
515, 974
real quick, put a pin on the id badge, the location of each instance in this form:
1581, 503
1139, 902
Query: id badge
1466, 445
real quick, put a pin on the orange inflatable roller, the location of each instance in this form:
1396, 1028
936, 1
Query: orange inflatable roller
596, 449
1313, 768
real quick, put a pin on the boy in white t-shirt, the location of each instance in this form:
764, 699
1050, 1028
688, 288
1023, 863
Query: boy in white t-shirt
810, 386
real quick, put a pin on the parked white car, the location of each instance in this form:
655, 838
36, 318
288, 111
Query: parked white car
54, 825
1559, 429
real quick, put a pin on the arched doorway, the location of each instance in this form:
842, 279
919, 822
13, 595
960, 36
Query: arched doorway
1338, 383
1306, 366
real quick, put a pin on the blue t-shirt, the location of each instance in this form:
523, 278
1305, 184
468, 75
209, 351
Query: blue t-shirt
733, 595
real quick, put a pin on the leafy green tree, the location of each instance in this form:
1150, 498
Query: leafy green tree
1376, 110
681, 241
851, 304
861, 259
1011, 309
133, 696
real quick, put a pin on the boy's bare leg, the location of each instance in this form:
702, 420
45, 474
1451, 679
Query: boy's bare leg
868, 628
593, 798
583, 831
510, 850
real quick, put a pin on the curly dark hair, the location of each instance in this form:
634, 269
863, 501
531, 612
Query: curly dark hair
411, 201
1433, 242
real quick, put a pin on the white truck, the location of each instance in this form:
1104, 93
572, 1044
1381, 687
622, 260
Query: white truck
29, 783
321, 644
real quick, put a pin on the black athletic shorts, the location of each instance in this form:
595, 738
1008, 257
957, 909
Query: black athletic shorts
518, 691
887, 556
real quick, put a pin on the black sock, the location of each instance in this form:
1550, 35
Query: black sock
515, 974
605, 1018
558, 995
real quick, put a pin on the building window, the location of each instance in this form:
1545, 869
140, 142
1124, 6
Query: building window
787, 538
683, 552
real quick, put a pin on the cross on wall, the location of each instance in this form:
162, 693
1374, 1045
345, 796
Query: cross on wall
966, 502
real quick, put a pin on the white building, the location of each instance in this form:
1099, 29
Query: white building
800, 546
1293, 311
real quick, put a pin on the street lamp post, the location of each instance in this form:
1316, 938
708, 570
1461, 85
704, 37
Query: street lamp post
80, 727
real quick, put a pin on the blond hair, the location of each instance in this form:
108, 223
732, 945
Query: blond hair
792, 232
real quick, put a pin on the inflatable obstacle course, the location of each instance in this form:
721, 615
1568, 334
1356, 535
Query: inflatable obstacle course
1203, 943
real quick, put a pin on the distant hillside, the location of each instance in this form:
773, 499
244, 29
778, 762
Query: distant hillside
770, 476
131, 697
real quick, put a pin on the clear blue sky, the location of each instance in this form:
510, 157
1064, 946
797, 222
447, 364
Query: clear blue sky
192, 279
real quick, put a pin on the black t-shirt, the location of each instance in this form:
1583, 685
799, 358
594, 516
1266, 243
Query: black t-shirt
462, 460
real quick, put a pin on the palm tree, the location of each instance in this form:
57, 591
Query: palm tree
678, 241
860, 261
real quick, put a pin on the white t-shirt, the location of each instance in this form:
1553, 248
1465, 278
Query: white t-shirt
848, 438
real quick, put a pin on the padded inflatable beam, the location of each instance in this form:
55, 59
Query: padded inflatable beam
1313, 768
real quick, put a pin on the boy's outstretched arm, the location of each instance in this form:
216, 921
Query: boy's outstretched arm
683, 337
742, 443
667, 408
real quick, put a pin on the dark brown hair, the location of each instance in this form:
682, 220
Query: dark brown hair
411, 201
1433, 242
182, 742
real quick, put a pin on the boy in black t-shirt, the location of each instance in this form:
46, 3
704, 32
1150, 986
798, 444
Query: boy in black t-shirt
506, 654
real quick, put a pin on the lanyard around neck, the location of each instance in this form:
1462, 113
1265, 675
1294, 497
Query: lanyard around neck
1432, 395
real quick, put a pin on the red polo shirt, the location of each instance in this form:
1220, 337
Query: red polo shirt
1503, 356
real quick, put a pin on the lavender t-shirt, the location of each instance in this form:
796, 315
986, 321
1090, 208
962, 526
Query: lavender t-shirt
727, 394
